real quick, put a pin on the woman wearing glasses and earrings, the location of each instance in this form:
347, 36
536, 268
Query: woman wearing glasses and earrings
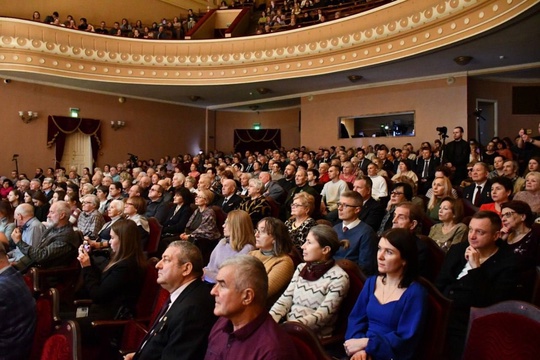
301, 221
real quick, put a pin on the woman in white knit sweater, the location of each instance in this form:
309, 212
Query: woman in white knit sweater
318, 286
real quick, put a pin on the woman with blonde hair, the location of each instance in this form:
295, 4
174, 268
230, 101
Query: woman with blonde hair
239, 238
442, 187
301, 221
531, 194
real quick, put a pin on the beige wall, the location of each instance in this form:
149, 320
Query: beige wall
152, 129
286, 120
508, 124
435, 102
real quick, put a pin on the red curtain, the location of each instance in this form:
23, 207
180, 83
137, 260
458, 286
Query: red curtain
60, 126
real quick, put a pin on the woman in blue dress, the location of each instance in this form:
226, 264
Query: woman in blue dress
387, 320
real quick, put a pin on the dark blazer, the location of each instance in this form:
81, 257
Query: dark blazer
275, 191
18, 316
183, 331
388, 166
419, 169
175, 224
372, 213
363, 164
232, 204
485, 195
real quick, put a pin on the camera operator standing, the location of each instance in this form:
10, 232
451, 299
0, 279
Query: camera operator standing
456, 156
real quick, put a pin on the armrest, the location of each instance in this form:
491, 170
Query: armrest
39, 274
117, 323
82, 302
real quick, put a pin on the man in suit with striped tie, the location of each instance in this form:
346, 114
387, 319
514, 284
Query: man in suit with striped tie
181, 329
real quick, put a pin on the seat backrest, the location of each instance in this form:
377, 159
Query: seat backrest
221, 216
438, 311
306, 342
149, 290
274, 207
435, 257
357, 280
507, 330
64, 343
47, 308
536, 290
154, 236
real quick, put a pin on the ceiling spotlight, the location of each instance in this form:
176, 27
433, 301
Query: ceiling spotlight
194, 98
263, 91
355, 78
463, 60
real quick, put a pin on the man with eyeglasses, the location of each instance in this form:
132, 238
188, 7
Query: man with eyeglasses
362, 239
156, 206
402, 192
301, 180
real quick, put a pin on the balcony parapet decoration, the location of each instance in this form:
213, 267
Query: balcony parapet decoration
391, 32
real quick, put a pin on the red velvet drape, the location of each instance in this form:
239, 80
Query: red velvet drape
60, 126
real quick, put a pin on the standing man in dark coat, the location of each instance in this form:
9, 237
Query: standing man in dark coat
456, 156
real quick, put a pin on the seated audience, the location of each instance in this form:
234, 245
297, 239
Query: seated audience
245, 330
318, 286
531, 194
388, 319
238, 239
402, 192
102, 192
450, 230
478, 193
442, 188
372, 211
7, 186
273, 247
134, 209
299, 224
181, 331
379, 187
32, 229
179, 214
231, 201
157, 207
58, 245
479, 273
15, 198
404, 169
501, 192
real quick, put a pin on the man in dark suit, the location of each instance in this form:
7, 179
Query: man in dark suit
181, 332
387, 165
363, 161
479, 192
272, 188
372, 211
425, 170
17, 311
456, 155
231, 201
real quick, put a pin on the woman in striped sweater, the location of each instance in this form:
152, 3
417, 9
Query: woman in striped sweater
318, 286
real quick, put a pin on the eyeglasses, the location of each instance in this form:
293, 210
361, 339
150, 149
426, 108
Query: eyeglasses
508, 214
469, 170
396, 193
293, 205
342, 205
260, 231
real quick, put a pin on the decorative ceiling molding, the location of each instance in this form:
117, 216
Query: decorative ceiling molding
394, 31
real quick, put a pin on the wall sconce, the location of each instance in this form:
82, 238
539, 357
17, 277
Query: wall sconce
28, 116
117, 124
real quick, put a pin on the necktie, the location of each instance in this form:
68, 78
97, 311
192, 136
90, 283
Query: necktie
345, 229
154, 327
426, 165
225, 202
476, 200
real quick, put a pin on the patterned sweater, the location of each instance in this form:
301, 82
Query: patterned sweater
313, 303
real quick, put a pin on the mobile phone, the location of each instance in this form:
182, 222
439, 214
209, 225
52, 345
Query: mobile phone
86, 246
